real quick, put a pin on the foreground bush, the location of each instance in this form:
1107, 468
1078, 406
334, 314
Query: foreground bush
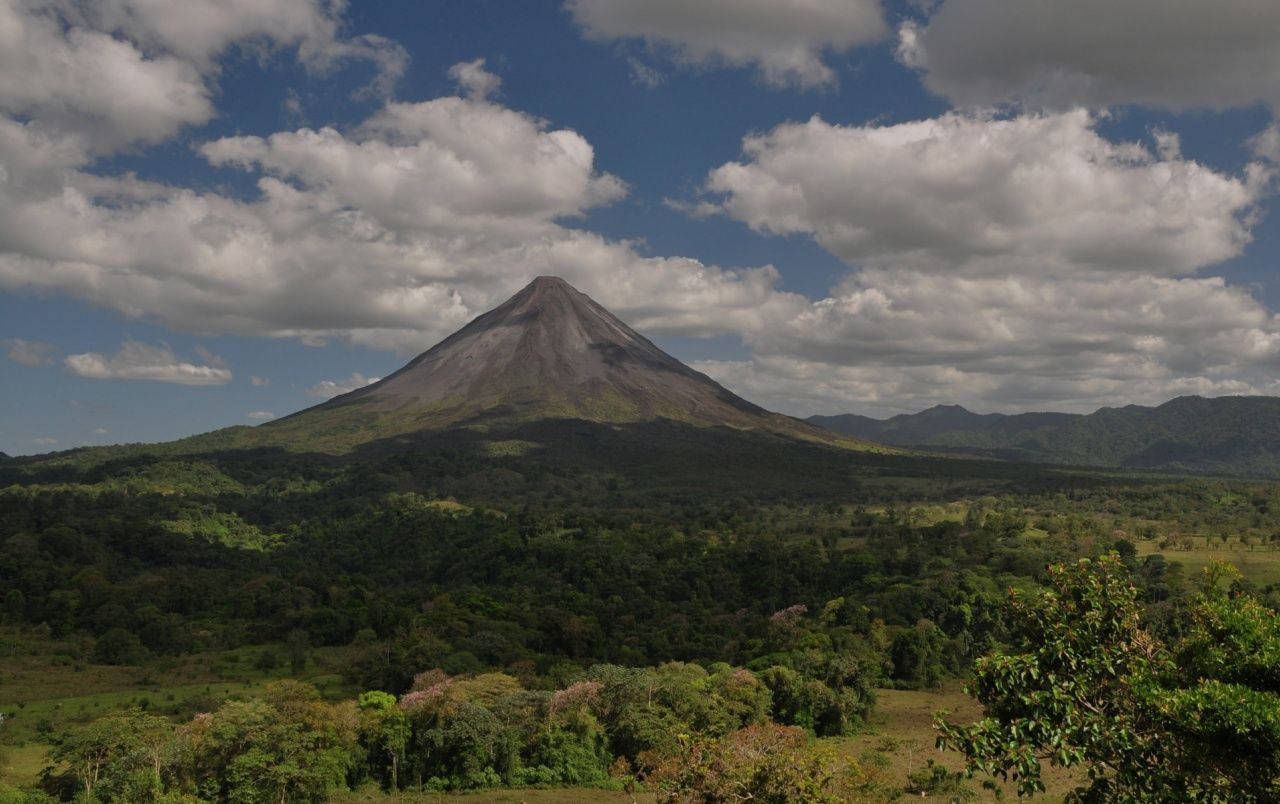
1090, 685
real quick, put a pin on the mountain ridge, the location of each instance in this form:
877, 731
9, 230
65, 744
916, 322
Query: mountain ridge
1221, 435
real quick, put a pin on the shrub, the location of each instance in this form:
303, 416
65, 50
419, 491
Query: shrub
760, 763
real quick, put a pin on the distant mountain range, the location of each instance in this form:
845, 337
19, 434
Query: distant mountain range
1223, 435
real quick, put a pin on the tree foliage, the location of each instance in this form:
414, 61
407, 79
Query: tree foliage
1090, 685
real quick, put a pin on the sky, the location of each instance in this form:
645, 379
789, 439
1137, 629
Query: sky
218, 212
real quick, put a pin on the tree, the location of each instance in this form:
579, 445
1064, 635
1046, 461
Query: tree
286, 746
765, 762
15, 605
119, 757
384, 729
297, 643
118, 646
1200, 721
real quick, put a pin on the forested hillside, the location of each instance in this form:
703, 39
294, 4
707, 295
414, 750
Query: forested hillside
1234, 435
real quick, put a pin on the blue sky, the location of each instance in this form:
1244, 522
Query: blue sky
220, 211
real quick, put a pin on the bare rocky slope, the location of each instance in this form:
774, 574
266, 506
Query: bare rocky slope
548, 352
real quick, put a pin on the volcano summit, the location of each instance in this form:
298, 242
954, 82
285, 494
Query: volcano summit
548, 352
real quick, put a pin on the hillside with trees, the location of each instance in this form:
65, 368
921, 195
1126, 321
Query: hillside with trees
1232, 435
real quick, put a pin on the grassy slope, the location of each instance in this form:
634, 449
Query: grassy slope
900, 739
1260, 565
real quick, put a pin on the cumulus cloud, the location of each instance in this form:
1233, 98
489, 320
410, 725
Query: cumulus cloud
140, 361
904, 340
392, 235
451, 163
1039, 192
1266, 145
1025, 262
1181, 55
29, 353
260, 415
111, 73
981, 249
785, 41
326, 389
474, 80
259, 382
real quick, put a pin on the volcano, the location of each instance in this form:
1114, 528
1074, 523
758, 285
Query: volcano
548, 352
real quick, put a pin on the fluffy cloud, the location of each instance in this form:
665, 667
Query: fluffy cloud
392, 235
1266, 145
1180, 55
140, 361
474, 80
904, 340
1035, 193
111, 73
1026, 263
449, 163
326, 389
44, 442
260, 415
29, 353
784, 40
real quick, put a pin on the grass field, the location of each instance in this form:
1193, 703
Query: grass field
1260, 565
43, 689
20, 765
900, 740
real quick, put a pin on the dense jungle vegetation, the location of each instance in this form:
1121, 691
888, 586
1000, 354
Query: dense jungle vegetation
513, 612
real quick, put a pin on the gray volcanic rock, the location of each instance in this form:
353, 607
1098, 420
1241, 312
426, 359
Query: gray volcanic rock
549, 352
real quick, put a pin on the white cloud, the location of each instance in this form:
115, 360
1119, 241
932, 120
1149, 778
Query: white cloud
260, 415
326, 389
887, 341
259, 382
1266, 145
44, 442
29, 353
981, 250
209, 357
391, 236
474, 80
1036, 193
103, 89
140, 361
449, 163
785, 40
115, 72
100, 431
644, 74
1179, 55
1026, 263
